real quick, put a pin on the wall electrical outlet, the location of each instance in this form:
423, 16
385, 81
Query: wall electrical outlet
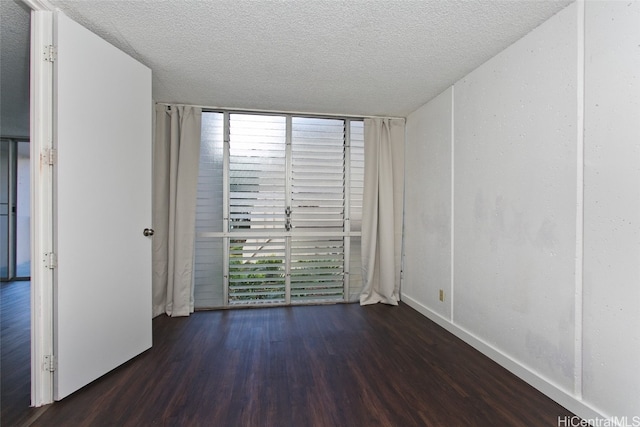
441, 295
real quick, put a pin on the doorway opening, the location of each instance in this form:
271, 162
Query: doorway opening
15, 211
15, 217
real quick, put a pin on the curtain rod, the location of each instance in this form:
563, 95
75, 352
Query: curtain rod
302, 113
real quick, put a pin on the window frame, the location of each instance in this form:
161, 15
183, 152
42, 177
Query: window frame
227, 233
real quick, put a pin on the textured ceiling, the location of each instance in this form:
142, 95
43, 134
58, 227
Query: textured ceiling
14, 69
376, 57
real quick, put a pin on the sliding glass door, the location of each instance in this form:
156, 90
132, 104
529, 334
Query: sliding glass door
279, 207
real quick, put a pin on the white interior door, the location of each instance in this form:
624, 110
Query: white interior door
103, 125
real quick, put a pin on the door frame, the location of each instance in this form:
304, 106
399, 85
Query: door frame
41, 135
43, 157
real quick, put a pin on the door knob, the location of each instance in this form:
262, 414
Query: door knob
148, 232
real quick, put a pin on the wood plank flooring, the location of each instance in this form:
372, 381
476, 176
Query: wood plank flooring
15, 352
333, 365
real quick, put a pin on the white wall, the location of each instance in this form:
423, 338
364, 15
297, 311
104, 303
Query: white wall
612, 208
495, 163
428, 204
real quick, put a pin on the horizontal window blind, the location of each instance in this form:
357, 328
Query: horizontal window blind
356, 168
279, 210
208, 274
256, 271
317, 174
256, 171
356, 190
209, 263
317, 269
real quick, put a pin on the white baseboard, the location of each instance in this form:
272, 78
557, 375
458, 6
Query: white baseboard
545, 386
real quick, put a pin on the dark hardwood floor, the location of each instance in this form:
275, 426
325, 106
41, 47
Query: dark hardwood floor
15, 352
334, 365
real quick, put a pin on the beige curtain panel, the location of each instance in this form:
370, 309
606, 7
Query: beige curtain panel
176, 155
382, 210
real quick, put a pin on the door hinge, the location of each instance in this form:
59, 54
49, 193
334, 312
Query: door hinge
50, 53
51, 260
50, 156
50, 363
